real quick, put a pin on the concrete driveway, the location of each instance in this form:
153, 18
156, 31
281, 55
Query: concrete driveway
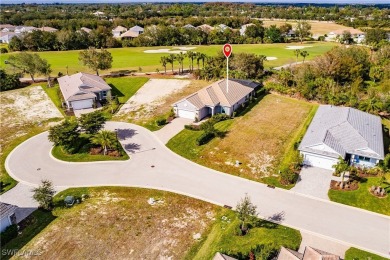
314, 182
152, 165
172, 129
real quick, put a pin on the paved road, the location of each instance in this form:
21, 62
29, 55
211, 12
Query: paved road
31, 162
172, 129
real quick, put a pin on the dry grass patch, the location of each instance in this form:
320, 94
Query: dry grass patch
119, 223
317, 27
24, 112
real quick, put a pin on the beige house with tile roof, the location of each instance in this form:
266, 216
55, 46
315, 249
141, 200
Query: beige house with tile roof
82, 90
215, 99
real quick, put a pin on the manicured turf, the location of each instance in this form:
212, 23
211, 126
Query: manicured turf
58, 153
34, 224
362, 198
54, 94
134, 57
125, 87
223, 238
357, 254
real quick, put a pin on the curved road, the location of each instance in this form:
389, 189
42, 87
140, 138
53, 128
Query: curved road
152, 165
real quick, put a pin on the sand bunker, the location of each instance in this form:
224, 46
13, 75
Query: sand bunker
271, 58
174, 50
185, 48
297, 47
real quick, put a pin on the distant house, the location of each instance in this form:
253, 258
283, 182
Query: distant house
137, 29
82, 90
5, 37
216, 98
129, 35
98, 13
244, 27
7, 215
47, 29
189, 26
24, 29
7, 27
310, 253
117, 31
345, 132
85, 29
355, 34
205, 27
222, 27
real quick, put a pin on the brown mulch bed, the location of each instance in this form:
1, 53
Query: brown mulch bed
348, 186
99, 150
365, 175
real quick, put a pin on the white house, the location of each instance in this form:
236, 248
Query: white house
24, 29
222, 27
189, 26
117, 31
7, 27
345, 132
137, 29
216, 98
244, 27
82, 90
7, 215
5, 37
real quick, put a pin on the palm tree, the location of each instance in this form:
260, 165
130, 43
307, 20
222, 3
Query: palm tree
297, 52
202, 57
164, 61
170, 59
104, 138
304, 54
180, 59
191, 56
371, 105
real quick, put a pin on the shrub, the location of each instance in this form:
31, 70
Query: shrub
192, 127
3, 50
8, 234
219, 117
287, 176
161, 121
205, 138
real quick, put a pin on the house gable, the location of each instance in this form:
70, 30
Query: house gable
186, 105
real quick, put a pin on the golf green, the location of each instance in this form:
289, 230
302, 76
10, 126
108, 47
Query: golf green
134, 58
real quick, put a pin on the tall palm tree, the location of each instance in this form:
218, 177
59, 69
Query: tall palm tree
191, 56
202, 57
104, 138
180, 59
171, 59
297, 52
164, 61
304, 54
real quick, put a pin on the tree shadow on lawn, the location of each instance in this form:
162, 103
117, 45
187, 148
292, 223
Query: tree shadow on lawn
263, 223
116, 92
126, 133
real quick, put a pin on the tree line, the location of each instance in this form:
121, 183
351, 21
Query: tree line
355, 76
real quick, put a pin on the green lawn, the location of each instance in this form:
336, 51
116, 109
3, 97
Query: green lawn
125, 87
134, 57
357, 254
54, 94
362, 198
34, 224
58, 153
223, 238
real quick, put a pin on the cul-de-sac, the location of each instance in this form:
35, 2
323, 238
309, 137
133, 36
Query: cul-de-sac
203, 130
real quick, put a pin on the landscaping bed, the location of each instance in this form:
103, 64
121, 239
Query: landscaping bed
85, 156
348, 186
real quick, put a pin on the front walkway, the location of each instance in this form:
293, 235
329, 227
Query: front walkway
172, 129
314, 182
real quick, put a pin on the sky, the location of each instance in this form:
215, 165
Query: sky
177, 1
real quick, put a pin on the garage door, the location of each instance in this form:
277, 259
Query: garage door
186, 114
321, 162
81, 104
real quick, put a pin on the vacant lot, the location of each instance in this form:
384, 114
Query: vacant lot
258, 140
118, 223
133, 58
317, 27
24, 112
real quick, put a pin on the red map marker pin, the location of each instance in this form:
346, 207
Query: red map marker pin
227, 50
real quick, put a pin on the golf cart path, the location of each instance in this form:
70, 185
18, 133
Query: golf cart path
152, 165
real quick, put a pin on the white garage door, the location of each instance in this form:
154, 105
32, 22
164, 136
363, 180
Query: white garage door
81, 104
321, 162
186, 114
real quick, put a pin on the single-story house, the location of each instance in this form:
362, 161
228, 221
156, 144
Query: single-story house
5, 37
310, 253
85, 29
117, 31
98, 13
24, 29
345, 132
47, 29
137, 29
7, 215
205, 27
222, 27
216, 98
129, 35
7, 27
82, 90
189, 26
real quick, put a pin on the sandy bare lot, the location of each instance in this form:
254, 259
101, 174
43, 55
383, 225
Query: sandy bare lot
152, 94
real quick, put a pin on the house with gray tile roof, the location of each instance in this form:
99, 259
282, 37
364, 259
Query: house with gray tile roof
82, 90
310, 253
345, 132
216, 98
7, 215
